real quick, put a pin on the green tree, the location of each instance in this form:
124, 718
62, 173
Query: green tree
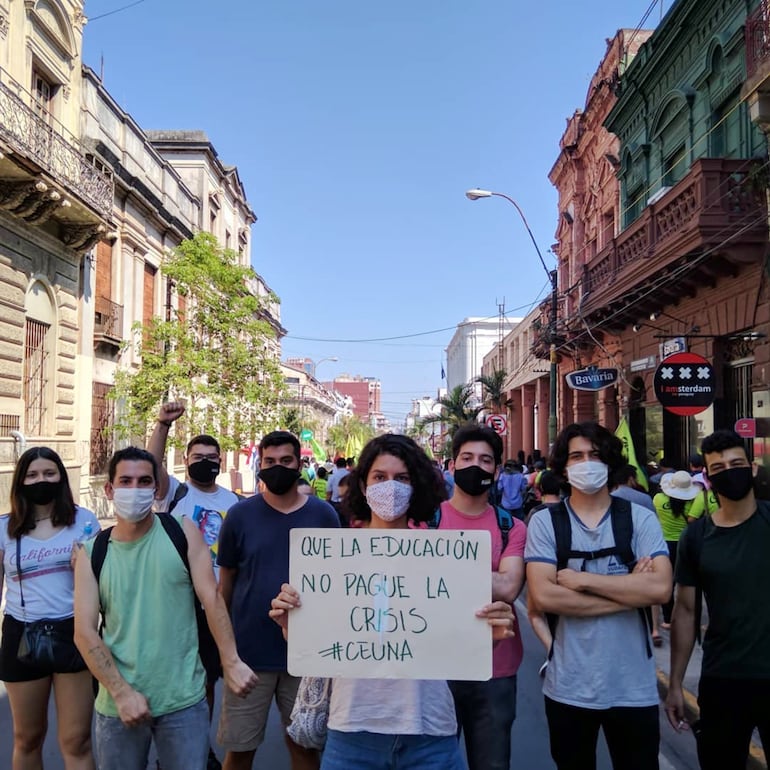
456, 408
213, 351
493, 386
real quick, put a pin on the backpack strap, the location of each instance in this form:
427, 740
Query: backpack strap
176, 535
99, 551
622, 532
181, 491
505, 522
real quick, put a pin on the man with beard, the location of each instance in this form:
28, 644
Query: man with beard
724, 557
253, 559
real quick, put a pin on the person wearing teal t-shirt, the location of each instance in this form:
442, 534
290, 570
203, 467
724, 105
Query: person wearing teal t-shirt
151, 680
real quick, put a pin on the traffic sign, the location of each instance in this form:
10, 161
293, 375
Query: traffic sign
684, 383
746, 427
305, 434
498, 423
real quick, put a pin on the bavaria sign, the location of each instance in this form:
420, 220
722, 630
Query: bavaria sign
592, 378
684, 384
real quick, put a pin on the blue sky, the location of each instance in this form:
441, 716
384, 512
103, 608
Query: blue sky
356, 127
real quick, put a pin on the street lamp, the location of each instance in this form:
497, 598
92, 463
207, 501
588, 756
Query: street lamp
474, 195
316, 363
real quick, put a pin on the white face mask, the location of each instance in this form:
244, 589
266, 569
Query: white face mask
133, 503
588, 477
389, 499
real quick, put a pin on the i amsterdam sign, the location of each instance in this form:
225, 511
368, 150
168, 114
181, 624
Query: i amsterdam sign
684, 384
592, 378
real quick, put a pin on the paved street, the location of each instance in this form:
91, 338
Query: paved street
530, 733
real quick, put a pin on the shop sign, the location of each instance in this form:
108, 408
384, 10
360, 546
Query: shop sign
746, 427
592, 378
674, 345
684, 383
642, 364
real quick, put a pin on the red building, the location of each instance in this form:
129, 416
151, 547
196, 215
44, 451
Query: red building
365, 392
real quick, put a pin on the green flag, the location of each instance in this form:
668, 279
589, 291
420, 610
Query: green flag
624, 434
318, 452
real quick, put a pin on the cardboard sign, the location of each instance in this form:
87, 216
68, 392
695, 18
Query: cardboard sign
390, 603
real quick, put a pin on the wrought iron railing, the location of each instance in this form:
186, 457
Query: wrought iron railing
36, 135
108, 319
716, 198
757, 35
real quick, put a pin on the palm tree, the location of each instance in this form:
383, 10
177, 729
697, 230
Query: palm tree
456, 408
494, 390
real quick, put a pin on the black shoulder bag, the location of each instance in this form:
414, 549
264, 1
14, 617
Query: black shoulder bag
47, 644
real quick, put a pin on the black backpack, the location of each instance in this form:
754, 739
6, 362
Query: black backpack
177, 536
698, 529
504, 521
622, 530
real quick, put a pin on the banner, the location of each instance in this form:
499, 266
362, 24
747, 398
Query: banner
624, 434
390, 603
319, 455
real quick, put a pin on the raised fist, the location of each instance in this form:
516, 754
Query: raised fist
171, 411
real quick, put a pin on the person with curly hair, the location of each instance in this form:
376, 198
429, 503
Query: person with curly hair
601, 673
392, 723
38, 539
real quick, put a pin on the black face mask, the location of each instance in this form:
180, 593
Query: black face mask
204, 471
279, 479
41, 492
733, 483
474, 480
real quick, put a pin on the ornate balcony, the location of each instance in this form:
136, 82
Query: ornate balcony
711, 221
43, 172
757, 36
108, 324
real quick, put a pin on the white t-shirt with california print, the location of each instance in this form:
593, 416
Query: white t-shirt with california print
206, 509
49, 582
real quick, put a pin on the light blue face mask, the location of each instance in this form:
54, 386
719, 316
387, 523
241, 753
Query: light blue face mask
588, 477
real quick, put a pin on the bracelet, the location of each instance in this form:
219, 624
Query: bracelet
164, 422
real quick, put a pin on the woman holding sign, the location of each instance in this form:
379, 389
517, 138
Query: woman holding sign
410, 722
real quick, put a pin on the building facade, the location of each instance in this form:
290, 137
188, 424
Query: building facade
89, 206
55, 205
366, 396
686, 266
527, 389
472, 340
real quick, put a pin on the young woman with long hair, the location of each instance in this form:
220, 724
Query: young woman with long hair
388, 723
37, 540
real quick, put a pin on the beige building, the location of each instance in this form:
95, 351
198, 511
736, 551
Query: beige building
89, 205
55, 204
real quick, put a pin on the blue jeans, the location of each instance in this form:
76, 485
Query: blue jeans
375, 751
181, 740
485, 714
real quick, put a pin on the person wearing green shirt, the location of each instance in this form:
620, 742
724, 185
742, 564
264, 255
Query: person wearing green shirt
320, 483
674, 505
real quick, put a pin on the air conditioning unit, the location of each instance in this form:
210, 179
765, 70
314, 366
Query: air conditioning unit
657, 195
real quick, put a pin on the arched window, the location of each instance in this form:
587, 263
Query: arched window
39, 333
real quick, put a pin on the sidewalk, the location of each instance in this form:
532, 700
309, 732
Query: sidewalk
757, 759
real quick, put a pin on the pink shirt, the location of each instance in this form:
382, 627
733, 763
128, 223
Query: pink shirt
507, 653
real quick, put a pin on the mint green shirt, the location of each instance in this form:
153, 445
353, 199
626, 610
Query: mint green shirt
147, 597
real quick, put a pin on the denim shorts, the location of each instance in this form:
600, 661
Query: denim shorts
375, 751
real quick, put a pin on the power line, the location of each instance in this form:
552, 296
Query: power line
112, 13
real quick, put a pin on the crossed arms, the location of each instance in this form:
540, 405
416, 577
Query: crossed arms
585, 594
